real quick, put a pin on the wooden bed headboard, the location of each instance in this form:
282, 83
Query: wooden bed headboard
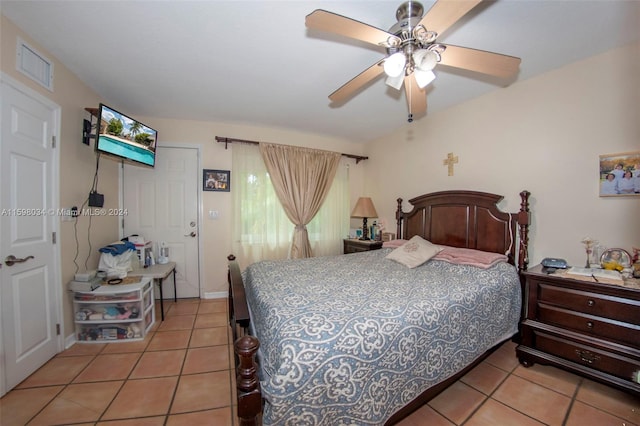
468, 219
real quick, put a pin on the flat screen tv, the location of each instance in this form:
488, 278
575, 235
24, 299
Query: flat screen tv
125, 138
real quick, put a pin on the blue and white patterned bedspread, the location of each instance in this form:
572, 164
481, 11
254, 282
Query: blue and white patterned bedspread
351, 339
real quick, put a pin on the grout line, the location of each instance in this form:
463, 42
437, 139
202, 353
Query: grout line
572, 402
489, 396
231, 371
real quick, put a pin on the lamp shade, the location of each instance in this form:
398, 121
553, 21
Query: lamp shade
364, 208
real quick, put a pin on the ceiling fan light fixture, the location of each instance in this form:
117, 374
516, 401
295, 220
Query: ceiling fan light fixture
425, 59
395, 82
423, 78
412, 48
394, 64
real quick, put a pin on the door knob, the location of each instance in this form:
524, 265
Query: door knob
191, 234
11, 259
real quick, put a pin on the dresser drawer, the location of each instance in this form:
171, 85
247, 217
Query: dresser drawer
590, 324
355, 246
612, 307
589, 328
587, 355
354, 249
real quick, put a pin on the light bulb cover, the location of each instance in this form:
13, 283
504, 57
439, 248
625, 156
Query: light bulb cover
395, 82
425, 59
394, 64
423, 78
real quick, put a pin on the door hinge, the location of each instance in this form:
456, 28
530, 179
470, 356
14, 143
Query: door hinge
53, 237
53, 141
57, 329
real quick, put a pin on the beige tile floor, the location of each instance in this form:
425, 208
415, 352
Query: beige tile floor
181, 374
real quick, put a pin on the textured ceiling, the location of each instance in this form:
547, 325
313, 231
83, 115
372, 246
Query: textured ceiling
256, 62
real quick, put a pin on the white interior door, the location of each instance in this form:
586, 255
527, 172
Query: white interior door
29, 288
162, 205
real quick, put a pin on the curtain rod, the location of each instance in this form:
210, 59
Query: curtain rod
227, 141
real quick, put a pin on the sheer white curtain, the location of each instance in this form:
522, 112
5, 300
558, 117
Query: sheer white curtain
261, 229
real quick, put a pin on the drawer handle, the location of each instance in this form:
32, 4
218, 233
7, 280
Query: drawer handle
591, 303
588, 357
589, 325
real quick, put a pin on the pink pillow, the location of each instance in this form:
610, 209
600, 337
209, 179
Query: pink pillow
464, 256
393, 243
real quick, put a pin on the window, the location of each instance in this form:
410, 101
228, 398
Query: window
261, 228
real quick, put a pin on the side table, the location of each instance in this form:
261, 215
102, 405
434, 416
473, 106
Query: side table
354, 245
158, 273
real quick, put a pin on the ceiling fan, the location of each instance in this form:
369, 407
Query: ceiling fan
413, 50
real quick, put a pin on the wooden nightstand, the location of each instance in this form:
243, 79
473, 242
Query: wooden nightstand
588, 328
354, 245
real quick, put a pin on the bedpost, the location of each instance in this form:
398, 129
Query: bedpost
238, 308
523, 225
247, 382
399, 219
232, 318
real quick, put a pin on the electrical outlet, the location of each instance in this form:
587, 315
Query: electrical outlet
69, 214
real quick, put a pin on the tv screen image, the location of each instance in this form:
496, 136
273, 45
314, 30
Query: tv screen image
125, 138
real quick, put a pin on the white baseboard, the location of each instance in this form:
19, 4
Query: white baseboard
69, 341
216, 295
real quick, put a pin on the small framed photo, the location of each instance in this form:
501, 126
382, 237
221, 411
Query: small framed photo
615, 256
388, 236
216, 180
619, 174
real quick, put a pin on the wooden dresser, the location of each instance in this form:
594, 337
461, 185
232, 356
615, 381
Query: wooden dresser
589, 328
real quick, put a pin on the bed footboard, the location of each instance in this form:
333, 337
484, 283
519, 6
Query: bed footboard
249, 397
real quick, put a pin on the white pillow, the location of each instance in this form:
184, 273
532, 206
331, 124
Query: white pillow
414, 252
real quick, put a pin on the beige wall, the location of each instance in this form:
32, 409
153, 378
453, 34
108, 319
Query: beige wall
217, 233
544, 135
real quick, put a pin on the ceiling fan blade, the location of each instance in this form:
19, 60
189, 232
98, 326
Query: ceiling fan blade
357, 82
416, 97
496, 64
444, 13
331, 22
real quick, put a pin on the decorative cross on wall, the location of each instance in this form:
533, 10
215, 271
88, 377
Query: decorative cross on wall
450, 161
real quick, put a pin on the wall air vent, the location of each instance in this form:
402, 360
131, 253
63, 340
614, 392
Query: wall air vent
34, 65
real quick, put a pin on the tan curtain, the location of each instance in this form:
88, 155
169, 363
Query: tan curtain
301, 178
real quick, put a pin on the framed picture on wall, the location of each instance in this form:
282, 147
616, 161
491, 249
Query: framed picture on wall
216, 180
619, 174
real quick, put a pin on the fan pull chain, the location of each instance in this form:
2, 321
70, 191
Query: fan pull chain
410, 117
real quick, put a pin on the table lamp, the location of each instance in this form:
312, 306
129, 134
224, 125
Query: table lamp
364, 208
